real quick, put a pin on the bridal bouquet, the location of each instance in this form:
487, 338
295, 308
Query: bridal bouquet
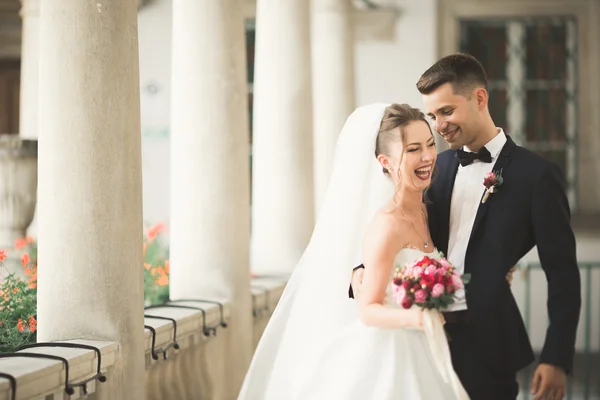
427, 283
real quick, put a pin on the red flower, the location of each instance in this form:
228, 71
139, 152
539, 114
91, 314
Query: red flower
450, 289
427, 280
434, 262
32, 323
25, 259
493, 179
424, 262
154, 231
398, 281
2, 255
20, 243
407, 302
407, 285
443, 279
490, 180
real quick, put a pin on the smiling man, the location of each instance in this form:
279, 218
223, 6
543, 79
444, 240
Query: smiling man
488, 341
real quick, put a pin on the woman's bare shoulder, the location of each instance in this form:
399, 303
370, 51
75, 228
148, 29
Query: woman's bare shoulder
386, 232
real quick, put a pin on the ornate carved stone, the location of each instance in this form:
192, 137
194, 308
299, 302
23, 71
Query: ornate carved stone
18, 187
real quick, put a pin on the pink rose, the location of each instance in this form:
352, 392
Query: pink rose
408, 271
445, 264
420, 296
399, 294
457, 281
431, 270
417, 271
438, 290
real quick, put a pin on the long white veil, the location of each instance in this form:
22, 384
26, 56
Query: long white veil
315, 304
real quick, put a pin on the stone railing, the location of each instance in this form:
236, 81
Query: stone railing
198, 369
42, 378
185, 353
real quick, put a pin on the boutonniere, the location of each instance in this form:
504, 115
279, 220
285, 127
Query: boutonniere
492, 181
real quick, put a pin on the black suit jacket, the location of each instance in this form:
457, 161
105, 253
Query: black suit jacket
530, 208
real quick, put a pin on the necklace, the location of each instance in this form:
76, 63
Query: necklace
425, 242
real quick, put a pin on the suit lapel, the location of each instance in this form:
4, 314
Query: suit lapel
501, 164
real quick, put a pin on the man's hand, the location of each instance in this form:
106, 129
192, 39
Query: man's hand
509, 276
356, 281
549, 383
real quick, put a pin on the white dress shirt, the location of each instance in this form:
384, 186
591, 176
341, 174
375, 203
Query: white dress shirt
466, 198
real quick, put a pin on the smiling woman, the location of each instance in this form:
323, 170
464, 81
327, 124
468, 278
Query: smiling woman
405, 139
373, 217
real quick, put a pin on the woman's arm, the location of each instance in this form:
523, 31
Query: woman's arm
382, 242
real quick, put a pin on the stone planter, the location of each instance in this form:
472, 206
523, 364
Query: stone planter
18, 187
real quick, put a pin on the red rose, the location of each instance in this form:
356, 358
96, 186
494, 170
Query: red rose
443, 279
407, 302
490, 180
423, 262
397, 281
407, 285
428, 280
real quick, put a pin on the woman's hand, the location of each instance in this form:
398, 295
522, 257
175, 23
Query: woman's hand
413, 318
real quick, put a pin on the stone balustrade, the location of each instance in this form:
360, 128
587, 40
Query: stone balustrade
194, 368
39, 378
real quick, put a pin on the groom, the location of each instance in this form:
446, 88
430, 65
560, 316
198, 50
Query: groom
488, 340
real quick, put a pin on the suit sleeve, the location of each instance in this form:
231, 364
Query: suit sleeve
350, 291
556, 248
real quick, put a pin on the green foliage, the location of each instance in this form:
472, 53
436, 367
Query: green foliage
18, 324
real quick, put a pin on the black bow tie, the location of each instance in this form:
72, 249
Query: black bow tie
465, 157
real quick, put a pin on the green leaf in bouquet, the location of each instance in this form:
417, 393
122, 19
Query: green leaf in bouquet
436, 302
447, 298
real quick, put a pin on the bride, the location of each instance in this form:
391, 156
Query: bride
319, 344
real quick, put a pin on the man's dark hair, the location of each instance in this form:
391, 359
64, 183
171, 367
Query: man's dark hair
463, 71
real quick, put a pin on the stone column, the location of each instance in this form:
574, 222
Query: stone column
282, 168
210, 178
30, 68
90, 184
333, 82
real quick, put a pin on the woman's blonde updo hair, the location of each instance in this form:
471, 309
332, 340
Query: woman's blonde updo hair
395, 116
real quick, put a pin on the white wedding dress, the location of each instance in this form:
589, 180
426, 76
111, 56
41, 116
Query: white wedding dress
315, 346
368, 363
